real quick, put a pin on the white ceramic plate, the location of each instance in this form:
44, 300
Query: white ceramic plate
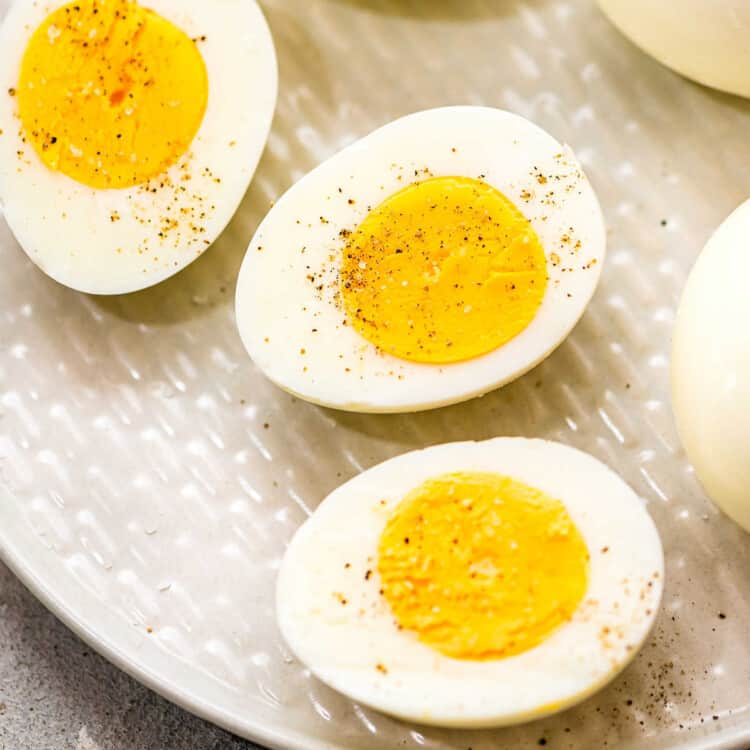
150, 477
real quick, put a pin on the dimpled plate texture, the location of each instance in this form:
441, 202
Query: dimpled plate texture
151, 477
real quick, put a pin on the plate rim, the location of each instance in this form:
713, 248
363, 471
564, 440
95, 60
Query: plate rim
119, 654
272, 737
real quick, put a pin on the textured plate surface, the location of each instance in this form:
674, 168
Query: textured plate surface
150, 477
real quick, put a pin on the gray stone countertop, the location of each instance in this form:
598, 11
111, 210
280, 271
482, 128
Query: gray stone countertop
58, 694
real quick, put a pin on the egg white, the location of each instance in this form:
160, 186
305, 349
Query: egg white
297, 337
711, 366
342, 645
66, 228
705, 40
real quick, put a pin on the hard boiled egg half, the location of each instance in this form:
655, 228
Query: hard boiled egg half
129, 131
434, 260
473, 584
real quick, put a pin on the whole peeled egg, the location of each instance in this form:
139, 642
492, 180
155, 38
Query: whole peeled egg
705, 40
711, 367
129, 132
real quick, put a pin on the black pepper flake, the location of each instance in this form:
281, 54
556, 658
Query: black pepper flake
722, 616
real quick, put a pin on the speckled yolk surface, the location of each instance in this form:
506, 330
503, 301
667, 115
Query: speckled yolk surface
481, 566
110, 93
445, 270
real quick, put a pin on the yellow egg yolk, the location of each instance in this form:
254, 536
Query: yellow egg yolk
110, 93
445, 270
481, 566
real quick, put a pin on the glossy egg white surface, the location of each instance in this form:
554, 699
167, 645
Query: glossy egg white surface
67, 228
299, 338
329, 556
711, 367
705, 40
